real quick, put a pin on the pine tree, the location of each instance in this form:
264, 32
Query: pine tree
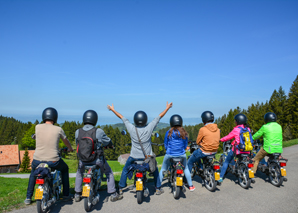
292, 110
25, 165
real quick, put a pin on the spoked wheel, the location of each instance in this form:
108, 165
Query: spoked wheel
243, 178
42, 204
210, 182
275, 175
88, 202
176, 191
140, 196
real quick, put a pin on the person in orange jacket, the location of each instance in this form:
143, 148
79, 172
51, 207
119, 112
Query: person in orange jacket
208, 140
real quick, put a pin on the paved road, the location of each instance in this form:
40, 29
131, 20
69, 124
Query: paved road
230, 197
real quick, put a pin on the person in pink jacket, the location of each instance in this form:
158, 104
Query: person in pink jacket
240, 120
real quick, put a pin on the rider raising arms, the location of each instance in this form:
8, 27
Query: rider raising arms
47, 151
145, 131
272, 134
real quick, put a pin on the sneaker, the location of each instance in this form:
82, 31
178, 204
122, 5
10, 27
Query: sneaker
27, 201
192, 188
115, 197
159, 191
77, 197
220, 180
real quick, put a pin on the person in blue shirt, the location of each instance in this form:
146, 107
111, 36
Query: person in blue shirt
175, 142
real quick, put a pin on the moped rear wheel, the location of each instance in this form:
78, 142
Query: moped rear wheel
39, 204
88, 202
243, 178
275, 175
210, 182
42, 204
140, 197
176, 190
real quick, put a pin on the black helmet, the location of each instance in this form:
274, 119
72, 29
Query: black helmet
176, 120
207, 116
140, 118
270, 117
90, 117
240, 119
50, 114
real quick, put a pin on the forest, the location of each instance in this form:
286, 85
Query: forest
285, 106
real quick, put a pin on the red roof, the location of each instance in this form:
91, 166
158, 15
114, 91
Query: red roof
9, 155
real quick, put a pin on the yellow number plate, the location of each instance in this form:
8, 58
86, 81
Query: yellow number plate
179, 181
251, 173
38, 194
283, 172
86, 191
216, 176
139, 185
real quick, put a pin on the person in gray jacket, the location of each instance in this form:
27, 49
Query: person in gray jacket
145, 131
90, 119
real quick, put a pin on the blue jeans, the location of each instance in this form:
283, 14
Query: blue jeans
130, 160
225, 165
196, 157
166, 164
58, 165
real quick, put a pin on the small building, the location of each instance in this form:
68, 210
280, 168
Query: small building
123, 158
11, 158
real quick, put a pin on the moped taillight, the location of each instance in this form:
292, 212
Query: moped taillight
282, 164
179, 171
39, 181
139, 174
216, 167
250, 165
86, 180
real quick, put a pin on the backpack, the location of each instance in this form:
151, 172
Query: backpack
86, 145
246, 141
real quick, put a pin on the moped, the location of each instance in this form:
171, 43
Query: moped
210, 172
274, 167
241, 166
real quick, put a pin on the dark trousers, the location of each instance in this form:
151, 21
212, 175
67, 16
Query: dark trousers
58, 165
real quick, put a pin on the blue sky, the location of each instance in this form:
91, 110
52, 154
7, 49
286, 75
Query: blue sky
200, 55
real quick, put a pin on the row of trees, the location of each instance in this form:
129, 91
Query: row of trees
284, 106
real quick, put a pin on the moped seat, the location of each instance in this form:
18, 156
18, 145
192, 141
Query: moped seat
209, 157
275, 154
139, 162
90, 167
243, 155
176, 160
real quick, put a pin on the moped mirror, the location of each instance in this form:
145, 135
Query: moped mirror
123, 132
156, 135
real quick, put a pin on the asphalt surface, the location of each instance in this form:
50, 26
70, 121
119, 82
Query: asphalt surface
229, 197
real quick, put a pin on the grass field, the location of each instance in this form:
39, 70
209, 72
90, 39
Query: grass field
290, 143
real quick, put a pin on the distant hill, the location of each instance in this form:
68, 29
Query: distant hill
121, 126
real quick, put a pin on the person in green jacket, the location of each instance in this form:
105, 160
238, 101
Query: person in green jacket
272, 135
